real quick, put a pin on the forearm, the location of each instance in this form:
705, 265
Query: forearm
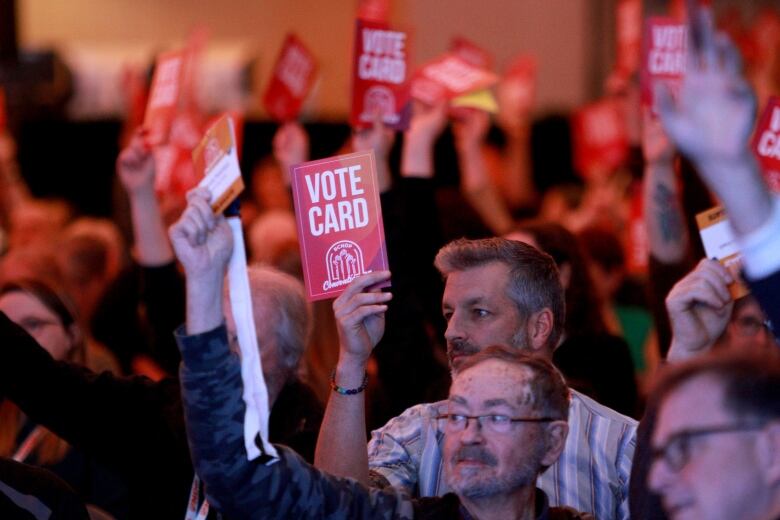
481, 193
341, 444
664, 216
416, 157
151, 239
519, 187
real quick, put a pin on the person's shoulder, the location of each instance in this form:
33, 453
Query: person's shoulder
584, 406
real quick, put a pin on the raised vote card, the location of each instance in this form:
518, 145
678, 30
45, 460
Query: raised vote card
628, 29
766, 143
164, 96
339, 222
293, 78
216, 159
720, 244
380, 76
471, 53
600, 137
663, 57
517, 88
447, 77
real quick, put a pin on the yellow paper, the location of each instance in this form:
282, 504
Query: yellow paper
480, 99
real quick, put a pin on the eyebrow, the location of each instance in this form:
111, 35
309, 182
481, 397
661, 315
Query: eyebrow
471, 301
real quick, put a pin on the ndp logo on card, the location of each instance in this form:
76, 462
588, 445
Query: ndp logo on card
343, 262
379, 100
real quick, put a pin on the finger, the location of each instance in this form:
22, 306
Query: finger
365, 280
667, 110
728, 55
361, 313
360, 300
199, 192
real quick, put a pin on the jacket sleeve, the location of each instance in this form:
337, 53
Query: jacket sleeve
239, 488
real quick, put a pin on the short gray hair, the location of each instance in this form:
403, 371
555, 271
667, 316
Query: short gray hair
289, 311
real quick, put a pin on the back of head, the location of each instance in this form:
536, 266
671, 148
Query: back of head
534, 281
284, 303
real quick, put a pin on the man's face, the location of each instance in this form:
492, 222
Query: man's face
481, 462
479, 312
717, 474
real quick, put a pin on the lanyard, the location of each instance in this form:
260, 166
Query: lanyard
193, 513
30, 443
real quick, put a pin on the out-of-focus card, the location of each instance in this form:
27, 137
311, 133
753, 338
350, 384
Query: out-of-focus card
516, 89
379, 77
374, 10
216, 159
766, 143
600, 137
663, 57
293, 78
471, 53
720, 244
481, 100
164, 96
447, 77
339, 220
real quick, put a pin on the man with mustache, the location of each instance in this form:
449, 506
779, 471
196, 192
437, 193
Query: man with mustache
497, 292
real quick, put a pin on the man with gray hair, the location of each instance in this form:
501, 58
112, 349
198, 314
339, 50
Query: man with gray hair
497, 292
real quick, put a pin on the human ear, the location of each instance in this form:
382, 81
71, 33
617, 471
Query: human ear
540, 326
768, 453
555, 433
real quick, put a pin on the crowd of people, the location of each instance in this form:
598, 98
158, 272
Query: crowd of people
515, 368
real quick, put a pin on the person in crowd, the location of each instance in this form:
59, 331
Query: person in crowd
715, 437
47, 316
497, 291
519, 404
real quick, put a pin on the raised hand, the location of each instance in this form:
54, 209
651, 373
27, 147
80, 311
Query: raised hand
360, 318
379, 138
470, 129
291, 147
656, 146
699, 308
135, 165
202, 241
426, 125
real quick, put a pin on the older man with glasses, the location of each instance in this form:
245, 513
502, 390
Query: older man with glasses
716, 444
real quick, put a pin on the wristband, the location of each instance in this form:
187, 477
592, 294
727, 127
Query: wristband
347, 391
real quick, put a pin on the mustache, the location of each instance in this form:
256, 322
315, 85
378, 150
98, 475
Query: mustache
459, 347
475, 453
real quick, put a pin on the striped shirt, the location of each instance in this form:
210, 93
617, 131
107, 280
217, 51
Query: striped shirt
591, 474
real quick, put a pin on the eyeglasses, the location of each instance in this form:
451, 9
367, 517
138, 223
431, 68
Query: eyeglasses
676, 452
496, 423
750, 326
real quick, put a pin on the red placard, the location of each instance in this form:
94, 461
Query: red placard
339, 222
379, 76
600, 137
471, 53
164, 96
663, 57
374, 10
293, 78
449, 76
766, 143
629, 35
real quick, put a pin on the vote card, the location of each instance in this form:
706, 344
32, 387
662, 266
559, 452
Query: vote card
447, 77
719, 243
216, 159
600, 137
766, 143
293, 78
664, 58
339, 219
164, 96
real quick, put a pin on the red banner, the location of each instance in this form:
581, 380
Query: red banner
293, 78
339, 222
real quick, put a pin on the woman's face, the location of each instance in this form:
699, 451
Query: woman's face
41, 323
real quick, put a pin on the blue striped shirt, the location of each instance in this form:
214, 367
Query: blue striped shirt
591, 475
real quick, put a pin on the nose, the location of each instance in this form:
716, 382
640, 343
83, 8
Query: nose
455, 329
472, 433
659, 476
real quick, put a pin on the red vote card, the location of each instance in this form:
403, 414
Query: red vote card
374, 10
447, 77
339, 222
164, 96
517, 88
293, 79
471, 53
663, 57
766, 143
600, 137
380, 76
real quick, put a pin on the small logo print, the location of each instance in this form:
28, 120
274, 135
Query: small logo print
379, 99
344, 262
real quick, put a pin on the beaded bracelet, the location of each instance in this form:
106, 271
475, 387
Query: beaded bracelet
347, 391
